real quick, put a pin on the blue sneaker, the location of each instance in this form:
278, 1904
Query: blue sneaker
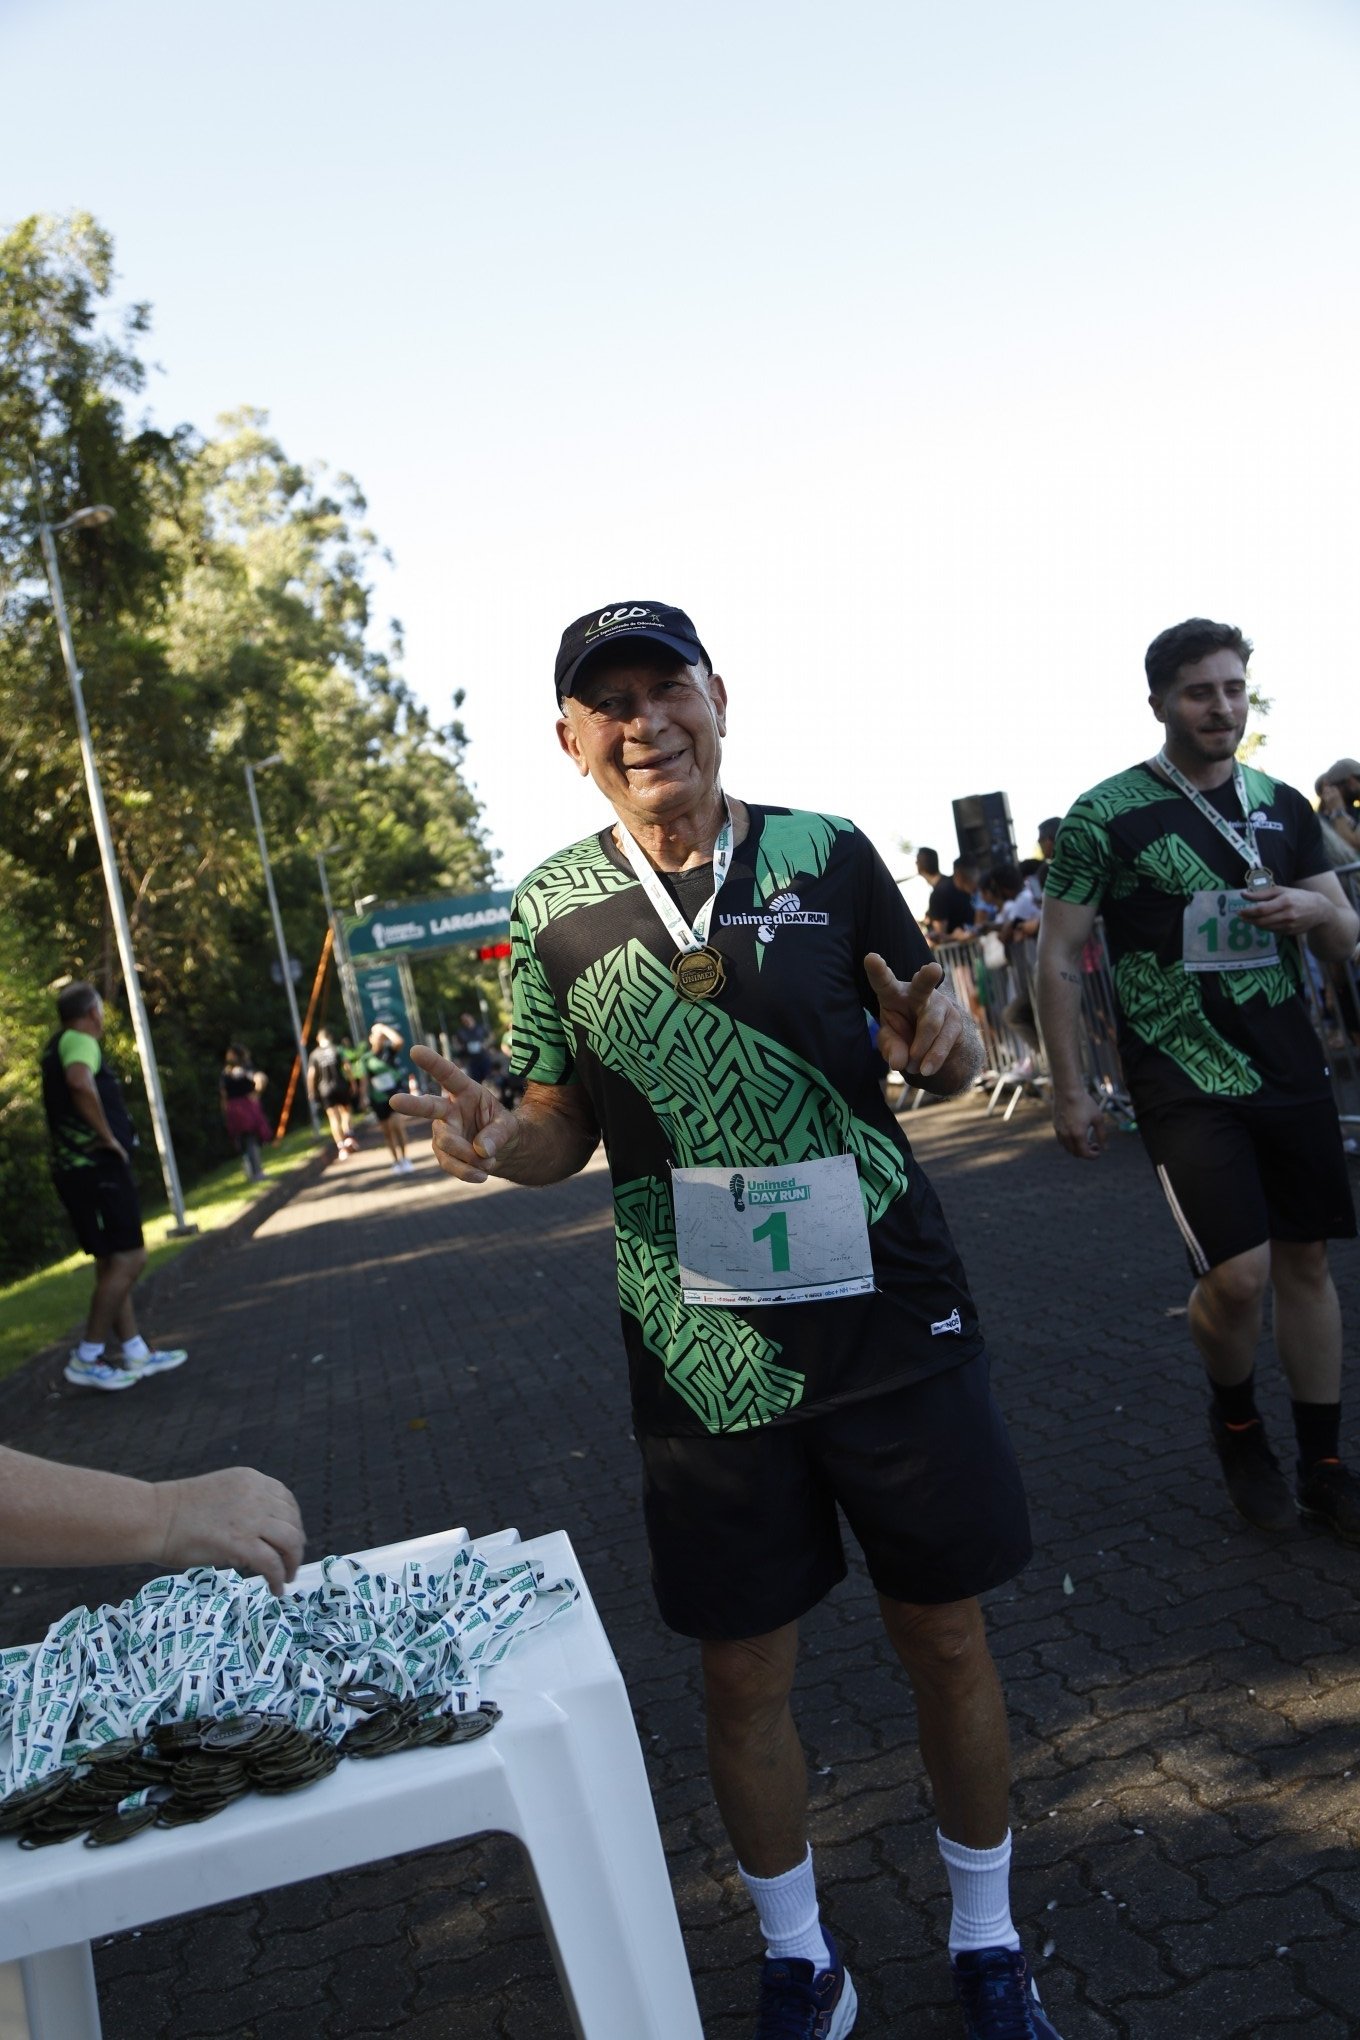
797, 2003
160, 1362
1000, 1998
99, 1374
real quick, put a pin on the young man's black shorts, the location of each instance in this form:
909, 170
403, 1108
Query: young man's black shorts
1236, 1174
103, 1205
744, 1531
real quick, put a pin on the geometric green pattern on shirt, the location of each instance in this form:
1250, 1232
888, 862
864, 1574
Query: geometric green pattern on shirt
725, 1096
719, 1364
1163, 1003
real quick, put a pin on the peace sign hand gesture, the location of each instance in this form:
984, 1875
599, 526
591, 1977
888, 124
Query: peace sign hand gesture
470, 1130
918, 1026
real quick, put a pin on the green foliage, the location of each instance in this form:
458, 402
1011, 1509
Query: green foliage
223, 615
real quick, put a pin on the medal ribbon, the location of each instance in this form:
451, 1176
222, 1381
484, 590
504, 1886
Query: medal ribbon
1244, 844
211, 1643
688, 940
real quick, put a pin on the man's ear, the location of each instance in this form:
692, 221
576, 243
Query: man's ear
1155, 703
566, 737
718, 694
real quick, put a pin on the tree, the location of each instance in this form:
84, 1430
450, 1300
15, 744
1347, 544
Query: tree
223, 615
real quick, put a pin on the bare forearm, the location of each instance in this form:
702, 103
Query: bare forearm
72, 1515
1058, 996
91, 1109
550, 1144
1335, 938
961, 1065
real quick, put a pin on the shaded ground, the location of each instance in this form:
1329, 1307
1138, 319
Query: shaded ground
409, 1354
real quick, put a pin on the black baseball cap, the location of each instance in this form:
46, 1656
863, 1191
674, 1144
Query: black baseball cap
589, 634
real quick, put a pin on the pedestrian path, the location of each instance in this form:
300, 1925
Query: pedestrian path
408, 1354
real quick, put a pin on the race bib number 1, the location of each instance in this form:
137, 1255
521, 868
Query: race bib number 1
789, 1235
1216, 937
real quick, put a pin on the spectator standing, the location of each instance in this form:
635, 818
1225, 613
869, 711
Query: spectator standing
1338, 793
92, 1138
328, 1085
472, 1049
691, 985
239, 1089
1210, 875
951, 912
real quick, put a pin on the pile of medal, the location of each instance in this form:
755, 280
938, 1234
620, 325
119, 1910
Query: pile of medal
204, 1687
186, 1771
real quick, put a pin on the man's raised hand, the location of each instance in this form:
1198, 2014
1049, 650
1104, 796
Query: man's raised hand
470, 1129
918, 1026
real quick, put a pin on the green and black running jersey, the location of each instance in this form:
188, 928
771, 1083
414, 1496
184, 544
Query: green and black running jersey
1138, 849
75, 1144
779, 1068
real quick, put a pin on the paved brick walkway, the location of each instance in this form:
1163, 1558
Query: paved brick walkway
1185, 1692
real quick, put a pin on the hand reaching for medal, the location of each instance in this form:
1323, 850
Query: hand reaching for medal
918, 1026
470, 1129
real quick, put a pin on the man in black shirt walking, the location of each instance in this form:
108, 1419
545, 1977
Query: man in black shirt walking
92, 1137
1210, 874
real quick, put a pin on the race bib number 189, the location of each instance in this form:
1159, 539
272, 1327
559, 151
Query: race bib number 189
789, 1235
1216, 937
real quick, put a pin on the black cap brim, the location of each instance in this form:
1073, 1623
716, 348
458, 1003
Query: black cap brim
688, 649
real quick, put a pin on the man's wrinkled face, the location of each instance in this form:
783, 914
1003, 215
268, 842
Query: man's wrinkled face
1204, 710
651, 739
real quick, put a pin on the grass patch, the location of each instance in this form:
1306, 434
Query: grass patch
42, 1307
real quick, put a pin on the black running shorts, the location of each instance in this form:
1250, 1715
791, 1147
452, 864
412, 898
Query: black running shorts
744, 1531
1236, 1174
103, 1205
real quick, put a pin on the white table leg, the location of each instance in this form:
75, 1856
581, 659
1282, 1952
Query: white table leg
59, 1994
588, 1826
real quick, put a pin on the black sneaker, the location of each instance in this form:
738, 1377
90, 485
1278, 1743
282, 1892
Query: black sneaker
999, 1997
798, 2004
1256, 1487
1329, 1493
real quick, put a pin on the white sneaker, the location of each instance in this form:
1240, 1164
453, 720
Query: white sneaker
100, 1374
396, 1170
407, 1166
161, 1361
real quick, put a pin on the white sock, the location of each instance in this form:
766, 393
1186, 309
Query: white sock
136, 1348
787, 1909
88, 1350
979, 1883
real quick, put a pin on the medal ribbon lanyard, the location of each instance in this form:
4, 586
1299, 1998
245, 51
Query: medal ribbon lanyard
690, 941
1244, 843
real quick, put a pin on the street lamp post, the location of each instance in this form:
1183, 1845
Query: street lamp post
250, 769
344, 967
95, 514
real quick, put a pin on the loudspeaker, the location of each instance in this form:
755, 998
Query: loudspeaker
982, 822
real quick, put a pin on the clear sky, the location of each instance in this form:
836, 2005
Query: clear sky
934, 357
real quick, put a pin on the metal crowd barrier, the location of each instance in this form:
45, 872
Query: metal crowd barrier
1000, 998
1333, 994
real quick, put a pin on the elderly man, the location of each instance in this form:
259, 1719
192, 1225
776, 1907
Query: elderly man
1210, 875
91, 1135
691, 983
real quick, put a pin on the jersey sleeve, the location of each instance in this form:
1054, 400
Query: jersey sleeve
75, 1047
886, 924
542, 1051
1083, 859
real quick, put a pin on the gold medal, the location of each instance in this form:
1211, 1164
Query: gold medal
698, 973
1258, 878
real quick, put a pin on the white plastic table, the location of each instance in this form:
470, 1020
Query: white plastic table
561, 1770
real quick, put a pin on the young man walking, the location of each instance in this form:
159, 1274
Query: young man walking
1210, 875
